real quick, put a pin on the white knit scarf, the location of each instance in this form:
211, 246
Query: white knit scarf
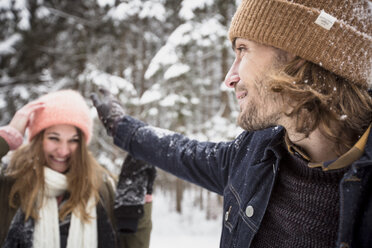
46, 232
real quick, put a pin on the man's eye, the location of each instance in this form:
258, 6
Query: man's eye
241, 49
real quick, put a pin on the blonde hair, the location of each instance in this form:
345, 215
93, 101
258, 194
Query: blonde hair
321, 99
26, 168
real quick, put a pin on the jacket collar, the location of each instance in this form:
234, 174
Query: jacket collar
274, 146
349, 157
344, 160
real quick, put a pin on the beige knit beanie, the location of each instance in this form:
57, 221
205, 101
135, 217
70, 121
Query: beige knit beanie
335, 34
62, 107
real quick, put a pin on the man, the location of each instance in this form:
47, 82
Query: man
301, 173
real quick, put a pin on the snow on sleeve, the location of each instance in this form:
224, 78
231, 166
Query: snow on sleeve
159, 132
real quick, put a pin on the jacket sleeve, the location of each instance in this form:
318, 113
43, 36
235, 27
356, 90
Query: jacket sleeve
6, 183
203, 163
11, 136
4, 147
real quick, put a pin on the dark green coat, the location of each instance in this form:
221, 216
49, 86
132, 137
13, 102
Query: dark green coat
6, 213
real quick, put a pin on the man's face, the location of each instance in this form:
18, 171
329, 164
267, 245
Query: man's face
259, 107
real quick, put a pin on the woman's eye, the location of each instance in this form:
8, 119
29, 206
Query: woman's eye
75, 141
53, 138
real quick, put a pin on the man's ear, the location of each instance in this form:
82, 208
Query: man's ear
299, 61
290, 56
287, 57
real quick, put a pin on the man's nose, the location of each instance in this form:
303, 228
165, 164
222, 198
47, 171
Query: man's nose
232, 77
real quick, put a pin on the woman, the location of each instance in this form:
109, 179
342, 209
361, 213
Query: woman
54, 193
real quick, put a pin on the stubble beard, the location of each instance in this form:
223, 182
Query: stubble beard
258, 115
250, 120
255, 116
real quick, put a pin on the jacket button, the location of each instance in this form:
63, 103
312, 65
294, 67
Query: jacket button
249, 211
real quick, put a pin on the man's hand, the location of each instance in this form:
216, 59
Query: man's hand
108, 108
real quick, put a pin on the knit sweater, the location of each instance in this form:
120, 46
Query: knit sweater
304, 208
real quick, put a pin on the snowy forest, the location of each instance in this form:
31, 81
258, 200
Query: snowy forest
164, 59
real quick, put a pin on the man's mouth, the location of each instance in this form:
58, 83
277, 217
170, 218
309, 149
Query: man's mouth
241, 95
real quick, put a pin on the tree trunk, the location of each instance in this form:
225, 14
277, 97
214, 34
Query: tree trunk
179, 195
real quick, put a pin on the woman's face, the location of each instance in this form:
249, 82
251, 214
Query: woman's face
59, 143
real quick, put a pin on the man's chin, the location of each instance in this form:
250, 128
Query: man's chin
245, 124
253, 124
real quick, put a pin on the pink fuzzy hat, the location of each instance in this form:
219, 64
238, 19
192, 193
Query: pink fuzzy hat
62, 107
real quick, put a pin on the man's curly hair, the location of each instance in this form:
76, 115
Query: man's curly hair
321, 99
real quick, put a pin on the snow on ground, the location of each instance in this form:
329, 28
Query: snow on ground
189, 229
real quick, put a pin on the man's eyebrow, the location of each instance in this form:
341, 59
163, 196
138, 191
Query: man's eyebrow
233, 44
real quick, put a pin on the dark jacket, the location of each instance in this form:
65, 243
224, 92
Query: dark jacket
19, 233
135, 181
244, 171
16, 233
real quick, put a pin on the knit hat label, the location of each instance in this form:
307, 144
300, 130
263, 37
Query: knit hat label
325, 20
